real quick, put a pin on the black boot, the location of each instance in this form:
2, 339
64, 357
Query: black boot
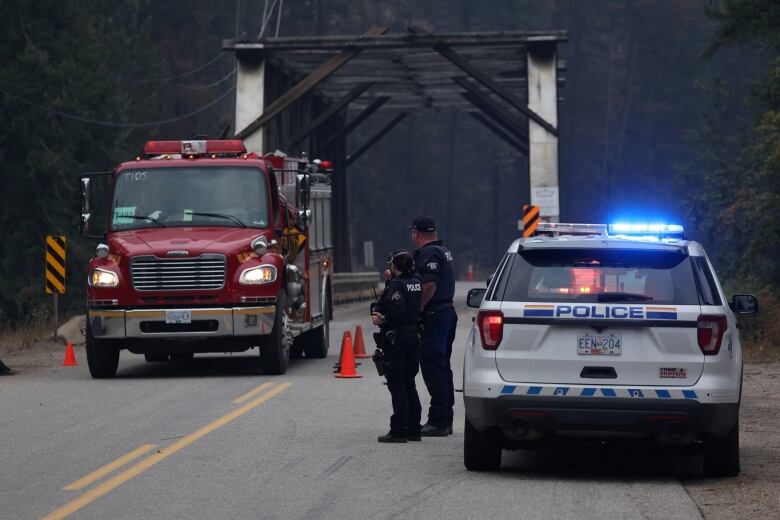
392, 438
429, 430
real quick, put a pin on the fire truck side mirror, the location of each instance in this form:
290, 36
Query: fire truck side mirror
85, 205
304, 190
97, 185
304, 215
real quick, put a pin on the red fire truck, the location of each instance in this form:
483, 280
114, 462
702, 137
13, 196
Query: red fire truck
207, 248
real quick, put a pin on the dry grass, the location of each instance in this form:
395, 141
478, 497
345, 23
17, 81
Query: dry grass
760, 334
23, 337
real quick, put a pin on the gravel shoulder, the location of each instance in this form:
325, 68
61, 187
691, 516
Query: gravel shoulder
753, 494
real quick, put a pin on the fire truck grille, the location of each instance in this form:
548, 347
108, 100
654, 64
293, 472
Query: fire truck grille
181, 274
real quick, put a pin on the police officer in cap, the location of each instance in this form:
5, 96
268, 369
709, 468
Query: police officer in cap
397, 314
433, 263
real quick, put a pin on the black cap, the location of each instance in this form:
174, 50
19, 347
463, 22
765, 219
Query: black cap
424, 224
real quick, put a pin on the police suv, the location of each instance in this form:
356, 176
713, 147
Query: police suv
619, 331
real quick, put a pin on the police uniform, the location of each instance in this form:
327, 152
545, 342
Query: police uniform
433, 263
400, 304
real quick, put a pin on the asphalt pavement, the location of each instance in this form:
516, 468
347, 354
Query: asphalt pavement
216, 438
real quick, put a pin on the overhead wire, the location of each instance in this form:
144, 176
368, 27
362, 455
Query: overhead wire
183, 75
210, 85
88, 120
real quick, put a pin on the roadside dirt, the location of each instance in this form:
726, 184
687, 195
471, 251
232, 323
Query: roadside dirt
38, 355
23, 350
754, 493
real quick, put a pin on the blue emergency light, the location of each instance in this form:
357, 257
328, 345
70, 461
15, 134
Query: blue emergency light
647, 230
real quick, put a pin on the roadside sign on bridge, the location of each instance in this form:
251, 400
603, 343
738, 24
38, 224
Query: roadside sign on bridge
530, 220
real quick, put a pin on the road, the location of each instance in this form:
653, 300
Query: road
217, 439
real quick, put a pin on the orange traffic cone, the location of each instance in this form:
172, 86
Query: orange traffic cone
347, 363
360, 346
70, 356
337, 366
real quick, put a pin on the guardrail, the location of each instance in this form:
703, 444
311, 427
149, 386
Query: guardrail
353, 287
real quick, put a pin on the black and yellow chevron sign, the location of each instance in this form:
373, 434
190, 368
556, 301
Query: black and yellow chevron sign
55, 264
530, 219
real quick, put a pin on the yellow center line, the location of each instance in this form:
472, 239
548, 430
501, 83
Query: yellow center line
162, 454
108, 468
251, 393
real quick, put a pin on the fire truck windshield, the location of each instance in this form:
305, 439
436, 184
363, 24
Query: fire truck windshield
195, 196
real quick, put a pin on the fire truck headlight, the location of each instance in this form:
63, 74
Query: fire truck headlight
258, 275
103, 278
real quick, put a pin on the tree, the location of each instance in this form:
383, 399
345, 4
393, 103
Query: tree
736, 206
77, 58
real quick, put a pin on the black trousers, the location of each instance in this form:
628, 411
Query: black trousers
435, 353
402, 364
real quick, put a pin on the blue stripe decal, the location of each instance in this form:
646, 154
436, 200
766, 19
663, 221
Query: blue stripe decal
562, 390
534, 390
663, 394
608, 392
538, 312
655, 315
588, 392
689, 394
635, 392
508, 389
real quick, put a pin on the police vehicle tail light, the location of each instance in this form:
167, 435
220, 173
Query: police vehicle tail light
491, 328
710, 330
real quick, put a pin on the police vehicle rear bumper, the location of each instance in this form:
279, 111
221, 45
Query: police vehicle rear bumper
671, 421
205, 323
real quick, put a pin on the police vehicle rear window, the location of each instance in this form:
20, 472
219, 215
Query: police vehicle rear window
599, 276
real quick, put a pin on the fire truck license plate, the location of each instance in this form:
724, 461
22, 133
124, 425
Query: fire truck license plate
599, 344
178, 316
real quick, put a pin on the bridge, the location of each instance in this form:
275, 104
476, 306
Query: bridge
310, 93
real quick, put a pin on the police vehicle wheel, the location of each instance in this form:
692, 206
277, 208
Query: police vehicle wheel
721, 456
102, 356
481, 450
155, 357
275, 347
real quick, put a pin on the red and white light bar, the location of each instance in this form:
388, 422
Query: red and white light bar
560, 228
185, 148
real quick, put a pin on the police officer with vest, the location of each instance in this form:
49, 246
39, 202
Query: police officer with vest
396, 314
433, 263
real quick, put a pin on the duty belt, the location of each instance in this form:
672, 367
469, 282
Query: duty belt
438, 307
405, 329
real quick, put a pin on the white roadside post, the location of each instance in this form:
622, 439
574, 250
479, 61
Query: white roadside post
250, 100
542, 144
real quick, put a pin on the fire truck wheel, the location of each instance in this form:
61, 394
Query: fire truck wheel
296, 351
318, 340
102, 356
275, 347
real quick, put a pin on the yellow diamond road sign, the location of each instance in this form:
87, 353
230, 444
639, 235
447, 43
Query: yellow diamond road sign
55, 264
